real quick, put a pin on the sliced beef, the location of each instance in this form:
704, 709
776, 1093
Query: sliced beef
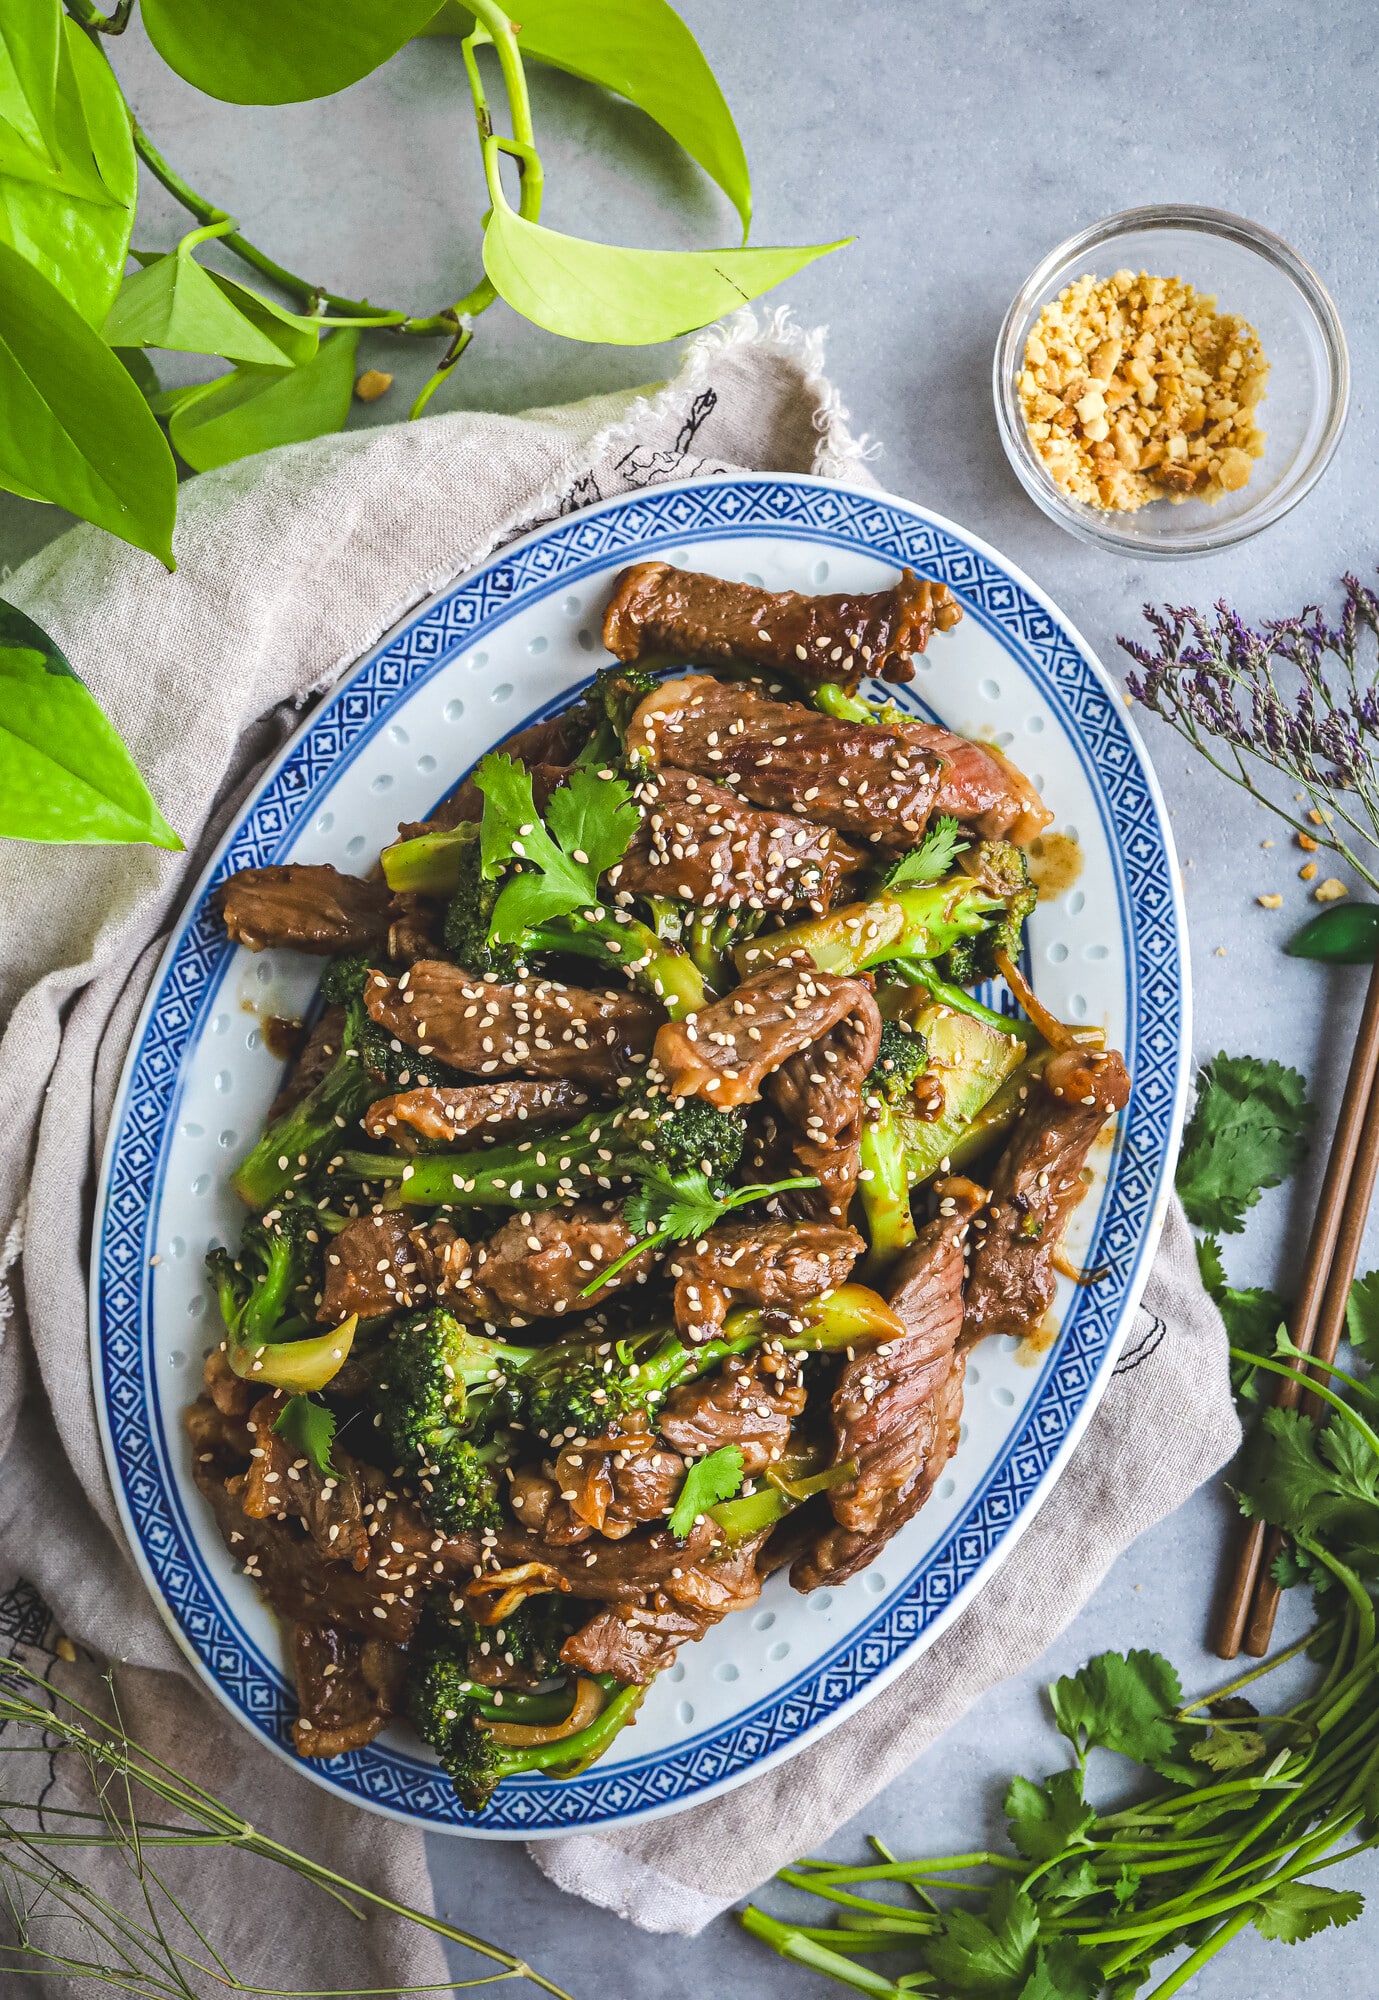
281, 1484
491, 1110
979, 786
637, 1641
376, 1265
700, 843
219, 1440
611, 1486
1036, 1186
752, 1402
757, 1264
537, 1027
346, 1689
545, 747
865, 779
724, 1051
609, 1571
306, 908
314, 1060
416, 928
895, 1409
539, 1262
817, 1097
658, 611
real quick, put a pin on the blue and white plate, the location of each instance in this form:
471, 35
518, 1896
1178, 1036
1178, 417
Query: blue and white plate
510, 643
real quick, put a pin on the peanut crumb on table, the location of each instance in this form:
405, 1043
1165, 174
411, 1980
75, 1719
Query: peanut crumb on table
1134, 388
1330, 891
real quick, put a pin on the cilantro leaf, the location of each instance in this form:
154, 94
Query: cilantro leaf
1228, 1749
708, 1481
932, 858
666, 1208
1046, 1820
1322, 1486
1362, 1317
1121, 1701
1297, 1910
1063, 1971
310, 1428
987, 1956
1253, 1317
589, 825
1247, 1132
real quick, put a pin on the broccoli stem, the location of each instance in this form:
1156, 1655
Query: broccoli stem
305, 1134
430, 864
297, 1366
918, 973
884, 1187
918, 923
831, 699
572, 1754
536, 1173
656, 965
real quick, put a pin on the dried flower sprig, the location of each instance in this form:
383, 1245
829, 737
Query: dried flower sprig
1290, 699
148, 1943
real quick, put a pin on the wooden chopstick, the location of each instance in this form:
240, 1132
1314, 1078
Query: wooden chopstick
1247, 1611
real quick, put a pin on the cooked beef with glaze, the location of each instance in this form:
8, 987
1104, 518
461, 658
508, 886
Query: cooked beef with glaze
314, 909
863, 778
752, 1402
817, 1097
416, 927
635, 1641
538, 1263
537, 1027
546, 747
726, 1050
701, 844
663, 613
606, 1571
1036, 1186
757, 1264
281, 1484
492, 1110
604, 1485
347, 1688
895, 1409
312, 1061
980, 787
377, 1264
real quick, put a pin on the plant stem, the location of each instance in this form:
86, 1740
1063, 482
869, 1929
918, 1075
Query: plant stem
1190, 1967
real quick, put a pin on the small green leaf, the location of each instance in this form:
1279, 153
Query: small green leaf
1362, 1317
987, 1957
1046, 1820
71, 217
140, 370
293, 334
628, 298
708, 1481
931, 860
64, 773
31, 39
1252, 1315
253, 409
1297, 1910
279, 51
1347, 934
173, 303
1228, 1749
588, 826
1063, 1970
310, 1428
1247, 1132
1121, 1701
74, 428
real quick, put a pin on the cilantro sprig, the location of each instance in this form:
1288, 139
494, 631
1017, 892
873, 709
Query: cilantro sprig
933, 857
1247, 1132
309, 1427
668, 1207
709, 1480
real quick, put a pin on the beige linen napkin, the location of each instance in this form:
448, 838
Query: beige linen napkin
291, 566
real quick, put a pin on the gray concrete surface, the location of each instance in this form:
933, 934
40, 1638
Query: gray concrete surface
959, 144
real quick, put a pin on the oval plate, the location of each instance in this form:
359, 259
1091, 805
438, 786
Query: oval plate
509, 643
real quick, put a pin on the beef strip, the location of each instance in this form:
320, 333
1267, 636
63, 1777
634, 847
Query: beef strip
490, 1110
1036, 1186
537, 1027
416, 927
545, 747
346, 1689
658, 611
610, 1571
863, 778
817, 1095
725, 1050
752, 1402
313, 1060
699, 842
757, 1264
607, 1486
979, 786
306, 908
895, 1409
281, 1484
376, 1265
538, 1263
637, 1641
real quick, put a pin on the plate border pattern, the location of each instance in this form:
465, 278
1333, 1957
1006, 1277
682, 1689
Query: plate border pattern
382, 1776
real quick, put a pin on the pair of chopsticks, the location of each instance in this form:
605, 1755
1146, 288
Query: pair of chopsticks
1250, 1604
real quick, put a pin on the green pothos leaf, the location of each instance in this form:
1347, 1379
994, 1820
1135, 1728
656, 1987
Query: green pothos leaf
280, 51
174, 303
65, 775
627, 298
31, 38
253, 409
69, 209
74, 428
642, 50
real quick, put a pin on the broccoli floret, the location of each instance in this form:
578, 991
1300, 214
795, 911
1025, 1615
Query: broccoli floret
1002, 869
443, 1395
612, 701
901, 1060
470, 913
885, 1183
267, 1299
458, 1718
529, 1636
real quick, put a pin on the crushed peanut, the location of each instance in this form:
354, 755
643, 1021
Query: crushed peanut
1307, 844
1269, 902
372, 384
1308, 871
1136, 389
1330, 891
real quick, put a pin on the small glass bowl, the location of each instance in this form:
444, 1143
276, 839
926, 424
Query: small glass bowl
1249, 271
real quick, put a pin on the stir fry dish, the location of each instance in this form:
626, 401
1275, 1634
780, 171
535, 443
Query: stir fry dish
641, 1182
